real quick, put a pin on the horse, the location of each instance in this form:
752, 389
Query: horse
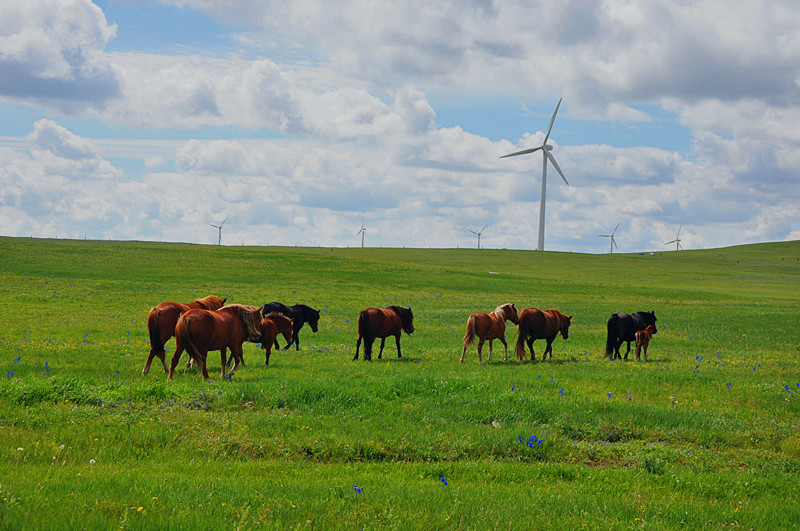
622, 327
643, 340
272, 324
375, 322
537, 324
199, 331
299, 314
161, 323
489, 326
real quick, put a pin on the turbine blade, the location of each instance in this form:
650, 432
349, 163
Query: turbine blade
472, 231
615, 243
484, 228
555, 165
673, 241
679, 230
523, 152
615, 229
553, 119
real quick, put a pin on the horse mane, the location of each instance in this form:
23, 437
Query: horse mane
406, 318
211, 302
250, 316
277, 315
501, 310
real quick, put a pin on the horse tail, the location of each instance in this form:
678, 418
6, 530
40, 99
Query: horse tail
612, 335
469, 337
523, 331
155, 330
365, 332
184, 333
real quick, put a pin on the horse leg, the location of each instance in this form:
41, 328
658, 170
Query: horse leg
627, 351
490, 350
175, 359
358, 344
268, 351
223, 354
505, 345
480, 348
368, 342
645, 351
380, 352
295, 340
530, 347
397, 340
238, 358
202, 356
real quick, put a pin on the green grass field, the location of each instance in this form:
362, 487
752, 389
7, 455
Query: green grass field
704, 435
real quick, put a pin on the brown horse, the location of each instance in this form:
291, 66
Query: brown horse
537, 324
272, 324
374, 323
199, 331
161, 323
489, 326
643, 340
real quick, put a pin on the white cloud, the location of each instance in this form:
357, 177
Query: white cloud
51, 53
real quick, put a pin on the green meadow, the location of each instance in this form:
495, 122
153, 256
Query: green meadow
704, 435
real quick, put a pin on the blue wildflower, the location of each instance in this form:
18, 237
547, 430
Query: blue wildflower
18, 359
10, 375
561, 392
609, 394
357, 489
444, 480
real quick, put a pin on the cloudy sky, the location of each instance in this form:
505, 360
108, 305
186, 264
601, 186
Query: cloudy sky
149, 120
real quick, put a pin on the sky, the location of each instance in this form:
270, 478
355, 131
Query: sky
153, 119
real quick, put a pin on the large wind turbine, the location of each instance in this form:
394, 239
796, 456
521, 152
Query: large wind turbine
479, 234
677, 240
362, 231
613, 242
219, 228
545, 157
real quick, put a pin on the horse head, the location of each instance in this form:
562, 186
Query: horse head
565, 322
406, 318
312, 317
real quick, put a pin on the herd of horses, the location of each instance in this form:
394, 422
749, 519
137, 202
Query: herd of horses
209, 324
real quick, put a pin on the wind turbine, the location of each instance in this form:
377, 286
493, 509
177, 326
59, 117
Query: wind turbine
677, 240
479, 234
545, 157
219, 228
362, 231
613, 241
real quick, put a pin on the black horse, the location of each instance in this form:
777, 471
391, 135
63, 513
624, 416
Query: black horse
623, 327
299, 314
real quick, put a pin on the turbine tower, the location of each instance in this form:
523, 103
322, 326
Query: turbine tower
479, 234
362, 231
219, 228
677, 240
545, 157
613, 241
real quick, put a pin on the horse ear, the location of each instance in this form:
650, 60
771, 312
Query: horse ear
223, 301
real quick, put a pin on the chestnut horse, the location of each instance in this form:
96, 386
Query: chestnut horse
537, 324
199, 331
272, 324
299, 314
643, 340
375, 322
161, 323
489, 326
622, 327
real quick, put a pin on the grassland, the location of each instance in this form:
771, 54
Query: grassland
704, 435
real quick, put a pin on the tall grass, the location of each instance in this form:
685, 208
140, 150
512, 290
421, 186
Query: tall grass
705, 434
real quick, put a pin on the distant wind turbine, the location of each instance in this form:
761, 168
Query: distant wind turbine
362, 231
219, 228
613, 241
479, 234
677, 240
545, 157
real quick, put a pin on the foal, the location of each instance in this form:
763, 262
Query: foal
643, 340
489, 326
